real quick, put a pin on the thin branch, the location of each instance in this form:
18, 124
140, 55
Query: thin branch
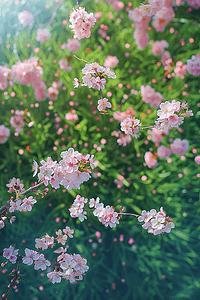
6, 206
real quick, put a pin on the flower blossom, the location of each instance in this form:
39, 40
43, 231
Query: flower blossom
179, 146
81, 23
43, 35
130, 126
171, 115
156, 222
193, 65
4, 133
26, 18
103, 104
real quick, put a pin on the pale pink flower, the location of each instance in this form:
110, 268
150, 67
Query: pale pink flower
157, 135
111, 61
163, 152
162, 18
150, 160
30, 256
193, 65
135, 15
28, 203
52, 93
157, 48
62, 238
40, 91
179, 146
180, 69
54, 276
165, 57
17, 120
42, 263
141, 38
197, 159
71, 116
194, 3
15, 205
73, 45
123, 138
68, 231
43, 35
81, 22
41, 243
26, 18
103, 104
65, 65
4, 133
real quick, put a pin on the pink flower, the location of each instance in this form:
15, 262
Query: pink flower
43, 35
150, 96
81, 22
65, 65
157, 135
194, 3
30, 256
4, 133
40, 91
157, 48
17, 120
163, 152
193, 65
197, 159
72, 116
73, 45
150, 160
26, 18
103, 104
52, 93
111, 61
165, 57
141, 38
179, 146
180, 69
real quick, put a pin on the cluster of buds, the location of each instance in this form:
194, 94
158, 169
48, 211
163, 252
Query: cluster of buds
94, 76
71, 171
81, 22
171, 114
156, 222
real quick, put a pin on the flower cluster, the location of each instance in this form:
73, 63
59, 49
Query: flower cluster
5, 78
26, 204
130, 126
43, 35
73, 266
17, 120
26, 18
76, 210
94, 76
15, 185
81, 22
162, 14
171, 115
72, 46
123, 138
106, 215
156, 222
10, 254
4, 133
71, 171
150, 96
179, 146
30, 71
193, 65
